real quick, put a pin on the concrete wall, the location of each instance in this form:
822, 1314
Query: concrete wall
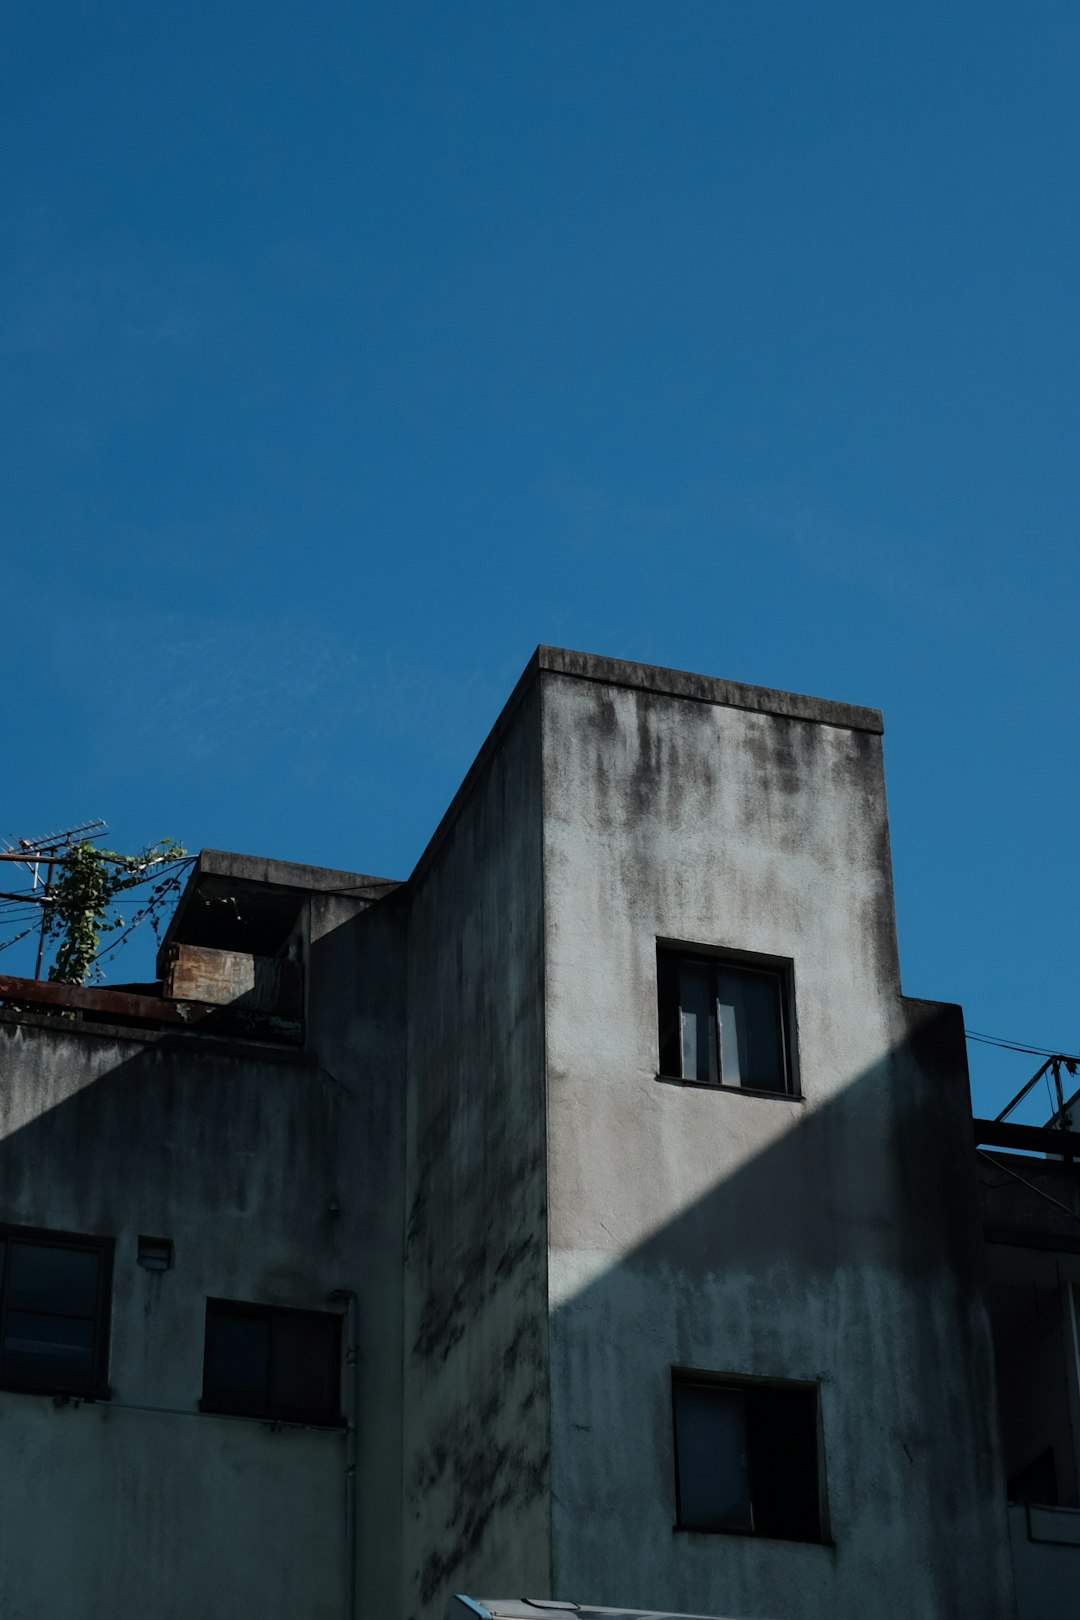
278, 1177
356, 1029
476, 1419
833, 1238
1046, 1559
1036, 1375
238, 1161
474, 1142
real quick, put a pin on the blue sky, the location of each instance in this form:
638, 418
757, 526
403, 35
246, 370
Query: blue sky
352, 350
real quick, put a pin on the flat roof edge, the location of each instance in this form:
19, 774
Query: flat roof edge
289, 874
645, 678
708, 689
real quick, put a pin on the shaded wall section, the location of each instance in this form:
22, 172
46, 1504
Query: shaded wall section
832, 1237
277, 1174
239, 1160
356, 1029
476, 1513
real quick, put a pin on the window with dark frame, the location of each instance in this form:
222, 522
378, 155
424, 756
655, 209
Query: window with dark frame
269, 1362
722, 1022
746, 1457
54, 1312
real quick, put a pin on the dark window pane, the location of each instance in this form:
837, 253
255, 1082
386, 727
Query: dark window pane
237, 1360
782, 1441
271, 1363
747, 1458
670, 1023
697, 1004
711, 1452
46, 1277
54, 1352
305, 1365
751, 1030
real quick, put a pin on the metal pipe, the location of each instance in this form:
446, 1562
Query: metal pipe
47, 897
352, 1405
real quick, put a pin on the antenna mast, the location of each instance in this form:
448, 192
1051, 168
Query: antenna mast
33, 853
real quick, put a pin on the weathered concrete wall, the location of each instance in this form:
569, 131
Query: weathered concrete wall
111, 1511
1046, 1559
833, 1238
481, 1048
1028, 1201
279, 1179
356, 1029
1030, 1293
476, 1512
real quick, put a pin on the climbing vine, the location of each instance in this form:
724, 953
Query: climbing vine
83, 908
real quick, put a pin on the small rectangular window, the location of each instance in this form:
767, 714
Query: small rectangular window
266, 1361
723, 1022
54, 1299
746, 1457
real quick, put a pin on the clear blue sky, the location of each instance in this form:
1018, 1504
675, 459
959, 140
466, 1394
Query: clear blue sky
352, 350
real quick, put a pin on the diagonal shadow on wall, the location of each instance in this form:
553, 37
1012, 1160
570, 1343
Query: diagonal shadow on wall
847, 1252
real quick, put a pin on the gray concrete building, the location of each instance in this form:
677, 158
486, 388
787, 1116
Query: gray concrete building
589, 1216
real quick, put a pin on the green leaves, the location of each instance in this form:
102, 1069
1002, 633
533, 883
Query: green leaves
86, 882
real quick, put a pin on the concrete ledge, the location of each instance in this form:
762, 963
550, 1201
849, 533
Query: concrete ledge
1058, 1525
192, 1043
708, 689
291, 875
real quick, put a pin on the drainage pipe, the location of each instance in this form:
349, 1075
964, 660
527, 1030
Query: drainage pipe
351, 1404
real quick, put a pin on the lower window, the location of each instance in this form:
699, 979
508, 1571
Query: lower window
746, 1457
54, 1312
265, 1361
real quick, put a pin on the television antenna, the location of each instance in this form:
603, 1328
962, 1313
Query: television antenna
35, 853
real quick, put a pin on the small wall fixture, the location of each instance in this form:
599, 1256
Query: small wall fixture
155, 1254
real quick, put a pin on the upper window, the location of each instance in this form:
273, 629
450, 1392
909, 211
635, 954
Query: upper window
746, 1457
262, 1361
722, 1023
54, 1312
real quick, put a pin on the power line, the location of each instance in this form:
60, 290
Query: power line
1020, 1046
150, 909
163, 872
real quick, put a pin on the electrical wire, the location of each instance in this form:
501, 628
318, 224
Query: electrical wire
1019, 1046
158, 871
108, 951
